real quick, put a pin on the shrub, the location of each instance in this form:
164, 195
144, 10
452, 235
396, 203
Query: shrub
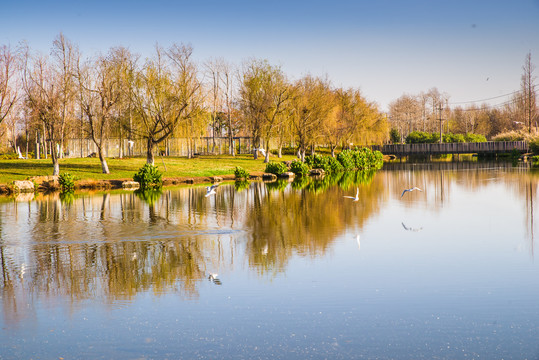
346, 159
299, 168
67, 182
276, 168
421, 137
395, 136
534, 145
149, 177
470, 137
241, 173
334, 165
453, 138
509, 136
317, 161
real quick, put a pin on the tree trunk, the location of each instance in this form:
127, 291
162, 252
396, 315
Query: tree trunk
104, 165
333, 150
55, 164
280, 151
266, 159
149, 152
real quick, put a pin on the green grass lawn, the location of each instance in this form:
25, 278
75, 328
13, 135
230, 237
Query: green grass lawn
90, 168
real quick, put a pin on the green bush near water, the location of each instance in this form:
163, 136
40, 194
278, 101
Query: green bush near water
67, 182
276, 168
149, 177
299, 168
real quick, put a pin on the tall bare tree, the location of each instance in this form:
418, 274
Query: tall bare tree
43, 99
100, 94
8, 85
66, 56
529, 94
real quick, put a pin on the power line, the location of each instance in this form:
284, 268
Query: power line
492, 98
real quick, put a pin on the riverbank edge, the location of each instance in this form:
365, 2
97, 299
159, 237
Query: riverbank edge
49, 184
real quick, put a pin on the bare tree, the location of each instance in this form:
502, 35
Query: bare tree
100, 94
528, 92
213, 69
67, 56
43, 99
227, 85
8, 85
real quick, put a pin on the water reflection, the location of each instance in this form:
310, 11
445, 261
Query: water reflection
113, 246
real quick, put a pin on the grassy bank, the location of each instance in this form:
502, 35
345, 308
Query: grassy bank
90, 168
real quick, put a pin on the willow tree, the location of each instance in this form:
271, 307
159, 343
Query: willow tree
367, 125
264, 97
167, 93
312, 103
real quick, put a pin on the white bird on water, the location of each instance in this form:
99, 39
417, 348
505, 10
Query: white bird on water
355, 198
210, 190
411, 189
214, 278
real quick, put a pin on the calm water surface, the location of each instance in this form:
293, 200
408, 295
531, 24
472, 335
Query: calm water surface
303, 273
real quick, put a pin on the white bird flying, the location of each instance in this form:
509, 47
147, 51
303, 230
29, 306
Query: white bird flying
412, 189
355, 198
210, 190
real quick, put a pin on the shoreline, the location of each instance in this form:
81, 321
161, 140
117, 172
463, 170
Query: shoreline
49, 183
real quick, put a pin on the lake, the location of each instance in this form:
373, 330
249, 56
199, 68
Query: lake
279, 270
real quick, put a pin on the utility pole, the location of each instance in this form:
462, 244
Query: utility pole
440, 118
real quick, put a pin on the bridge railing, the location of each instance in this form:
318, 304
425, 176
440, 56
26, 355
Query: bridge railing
489, 147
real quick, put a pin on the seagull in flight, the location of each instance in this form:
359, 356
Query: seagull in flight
210, 190
355, 198
411, 189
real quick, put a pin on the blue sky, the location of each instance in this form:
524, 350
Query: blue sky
384, 48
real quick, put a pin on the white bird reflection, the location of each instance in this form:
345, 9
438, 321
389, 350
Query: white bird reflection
210, 190
358, 242
214, 278
410, 190
411, 228
355, 198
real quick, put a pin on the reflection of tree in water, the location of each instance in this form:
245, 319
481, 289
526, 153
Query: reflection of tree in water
296, 220
113, 246
105, 247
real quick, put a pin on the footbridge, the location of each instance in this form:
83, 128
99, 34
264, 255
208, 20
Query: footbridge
483, 148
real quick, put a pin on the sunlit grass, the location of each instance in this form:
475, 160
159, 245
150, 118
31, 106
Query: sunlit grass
172, 167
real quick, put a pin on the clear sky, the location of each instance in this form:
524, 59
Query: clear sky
471, 50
